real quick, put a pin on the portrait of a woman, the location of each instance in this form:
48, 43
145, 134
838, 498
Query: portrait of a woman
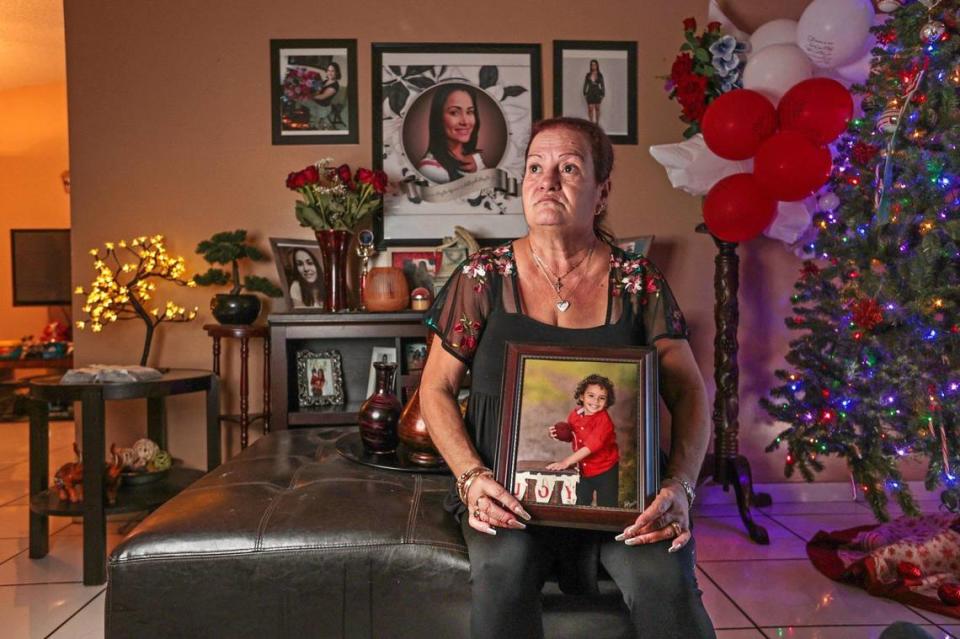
594, 91
330, 85
454, 125
305, 289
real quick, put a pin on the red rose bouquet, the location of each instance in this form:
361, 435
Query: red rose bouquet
709, 65
335, 198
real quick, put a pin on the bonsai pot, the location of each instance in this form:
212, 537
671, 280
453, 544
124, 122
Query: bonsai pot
235, 309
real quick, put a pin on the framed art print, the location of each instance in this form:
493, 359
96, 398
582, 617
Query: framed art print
597, 81
451, 124
299, 269
319, 379
559, 402
313, 89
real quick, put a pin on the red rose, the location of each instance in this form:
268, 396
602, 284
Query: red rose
343, 171
469, 342
713, 27
682, 67
690, 24
292, 181
311, 175
364, 176
380, 182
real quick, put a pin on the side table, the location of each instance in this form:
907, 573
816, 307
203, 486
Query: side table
244, 333
44, 502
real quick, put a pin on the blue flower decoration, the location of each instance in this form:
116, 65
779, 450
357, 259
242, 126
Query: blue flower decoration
725, 47
725, 66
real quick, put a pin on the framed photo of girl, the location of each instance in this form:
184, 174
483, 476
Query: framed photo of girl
580, 446
451, 123
300, 271
313, 89
597, 81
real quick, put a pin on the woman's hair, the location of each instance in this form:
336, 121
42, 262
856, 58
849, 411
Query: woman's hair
601, 150
595, 380
336, 67
438, 136
594, 62
310, 292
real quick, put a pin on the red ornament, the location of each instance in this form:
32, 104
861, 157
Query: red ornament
866, 313
819, 108
908, 570
809, 270
736, 209
949, 593
737, 122
790, 167
862, 153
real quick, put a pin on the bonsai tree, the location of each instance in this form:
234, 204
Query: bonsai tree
229, 247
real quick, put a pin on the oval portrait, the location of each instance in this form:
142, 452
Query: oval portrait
454, 129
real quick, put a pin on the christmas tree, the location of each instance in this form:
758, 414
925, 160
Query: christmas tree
875, 370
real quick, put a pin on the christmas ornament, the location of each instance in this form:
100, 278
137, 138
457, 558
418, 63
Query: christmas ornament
908, 570
887, 122
866, 313
888, 6
949, 593
932, 31
828, 201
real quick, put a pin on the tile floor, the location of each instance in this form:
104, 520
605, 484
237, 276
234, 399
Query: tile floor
750, 591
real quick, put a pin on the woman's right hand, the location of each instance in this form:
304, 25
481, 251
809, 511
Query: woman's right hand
491, 506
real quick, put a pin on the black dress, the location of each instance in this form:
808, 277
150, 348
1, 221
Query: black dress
594, 91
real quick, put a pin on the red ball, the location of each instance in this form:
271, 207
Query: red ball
790, 167
737, 122
564, 431
819, 108
949, 593
736, 209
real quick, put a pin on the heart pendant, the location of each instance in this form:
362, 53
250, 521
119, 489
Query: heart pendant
563, 305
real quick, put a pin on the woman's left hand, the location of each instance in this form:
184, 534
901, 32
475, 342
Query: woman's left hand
668, 517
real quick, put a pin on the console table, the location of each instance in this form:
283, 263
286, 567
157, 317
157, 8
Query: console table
44, 502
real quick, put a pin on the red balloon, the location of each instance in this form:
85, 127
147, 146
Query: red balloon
790, 167
737, 122
736, 209
819, 108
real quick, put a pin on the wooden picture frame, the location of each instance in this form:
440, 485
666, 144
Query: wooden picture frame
302, 282
301, 110
500, 84
319, 379
538, 392
616, 89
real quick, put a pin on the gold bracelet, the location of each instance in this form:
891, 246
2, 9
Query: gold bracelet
464, 481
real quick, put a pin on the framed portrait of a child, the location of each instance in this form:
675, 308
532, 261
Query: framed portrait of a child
580, 446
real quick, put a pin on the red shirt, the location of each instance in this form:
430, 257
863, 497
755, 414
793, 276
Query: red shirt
595, 432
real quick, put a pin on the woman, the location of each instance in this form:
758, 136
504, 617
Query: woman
306, 290
564, 282
330, 85
594, 91
454, 126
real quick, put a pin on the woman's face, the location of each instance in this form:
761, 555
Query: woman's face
594, 399
306, 266
559, 187
594, 66
459, 117
331, 72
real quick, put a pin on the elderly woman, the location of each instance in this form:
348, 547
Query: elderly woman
564, 282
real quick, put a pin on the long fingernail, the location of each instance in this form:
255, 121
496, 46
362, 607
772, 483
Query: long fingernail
518, 524
490, 530
633, 541
620, 537
520, 511
674, 548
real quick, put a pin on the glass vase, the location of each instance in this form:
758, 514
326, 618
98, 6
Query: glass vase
333, 250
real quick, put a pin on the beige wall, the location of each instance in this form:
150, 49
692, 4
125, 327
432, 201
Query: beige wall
33, 154
170, 133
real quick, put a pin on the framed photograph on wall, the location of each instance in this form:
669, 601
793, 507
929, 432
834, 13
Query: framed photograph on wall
299, 269
639, 244
451, 123
319, 379
581, 444
597, 81
313, 89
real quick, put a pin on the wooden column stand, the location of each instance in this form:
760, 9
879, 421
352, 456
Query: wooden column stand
244, 333
726, 464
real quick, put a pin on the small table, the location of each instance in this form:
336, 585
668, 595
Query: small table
244, 332
93, 509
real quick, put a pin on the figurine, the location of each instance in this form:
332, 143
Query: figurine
69, 478
111, 475
145, 450
365, 250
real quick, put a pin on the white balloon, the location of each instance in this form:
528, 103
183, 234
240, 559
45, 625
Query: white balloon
775, 69
856, 71
832, 32
781, 31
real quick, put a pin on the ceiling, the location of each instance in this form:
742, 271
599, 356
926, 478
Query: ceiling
31, 43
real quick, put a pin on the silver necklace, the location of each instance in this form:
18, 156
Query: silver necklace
556, 281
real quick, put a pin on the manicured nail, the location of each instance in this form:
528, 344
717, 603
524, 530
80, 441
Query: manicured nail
518, 524
674, 548
633, 541
523, 513
620, 537
490, 530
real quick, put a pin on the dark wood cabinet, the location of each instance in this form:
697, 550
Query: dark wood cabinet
353, 335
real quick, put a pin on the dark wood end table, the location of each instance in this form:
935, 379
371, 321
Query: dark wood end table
244, 333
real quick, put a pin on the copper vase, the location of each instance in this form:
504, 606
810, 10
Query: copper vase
413, 433
333, 250
379, 415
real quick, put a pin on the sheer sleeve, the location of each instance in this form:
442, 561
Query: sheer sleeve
459, 314
660, 312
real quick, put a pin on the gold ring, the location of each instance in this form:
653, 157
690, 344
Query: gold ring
677, 530
476, 513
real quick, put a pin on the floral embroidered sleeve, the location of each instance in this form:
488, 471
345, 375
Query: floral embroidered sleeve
459, 313
655, 307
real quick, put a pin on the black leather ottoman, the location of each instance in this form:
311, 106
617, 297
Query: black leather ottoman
288, 539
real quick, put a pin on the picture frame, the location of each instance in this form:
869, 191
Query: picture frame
540, 383
639, 244
303, 111
301, 278
319, 379
380, 354
614, 95
420, 266
499, 84
414, 356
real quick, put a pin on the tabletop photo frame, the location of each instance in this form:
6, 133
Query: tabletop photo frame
556, 399
319, 379
300, 271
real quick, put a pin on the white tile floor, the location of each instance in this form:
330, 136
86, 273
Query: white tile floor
750, 591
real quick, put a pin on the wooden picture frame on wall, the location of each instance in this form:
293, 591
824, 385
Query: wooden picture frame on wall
313, 90
547, 413
609, 91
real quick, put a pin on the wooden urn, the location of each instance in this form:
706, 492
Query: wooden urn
386, 290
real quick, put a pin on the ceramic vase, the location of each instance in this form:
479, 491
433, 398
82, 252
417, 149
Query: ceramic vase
380, 414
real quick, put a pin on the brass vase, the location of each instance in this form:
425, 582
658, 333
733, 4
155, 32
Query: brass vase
414, 435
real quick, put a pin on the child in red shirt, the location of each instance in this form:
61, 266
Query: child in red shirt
594, 442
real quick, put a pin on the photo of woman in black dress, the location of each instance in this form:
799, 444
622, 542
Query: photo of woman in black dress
594, 91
